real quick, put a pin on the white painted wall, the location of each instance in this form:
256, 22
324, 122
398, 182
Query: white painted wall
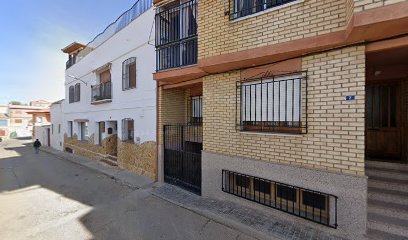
41, 133
57, 122
139, 103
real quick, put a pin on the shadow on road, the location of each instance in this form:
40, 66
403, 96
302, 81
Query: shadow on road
50, 195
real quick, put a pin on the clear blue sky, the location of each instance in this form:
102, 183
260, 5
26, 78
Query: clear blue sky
33, 32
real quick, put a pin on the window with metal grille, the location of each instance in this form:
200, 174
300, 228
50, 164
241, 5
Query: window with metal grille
128, 129
77, 92
286, 193
305, 203
314, 200
196, 109
70, 129
242, 8
176, 34
273, 104
71, 94
83, 129
129, 74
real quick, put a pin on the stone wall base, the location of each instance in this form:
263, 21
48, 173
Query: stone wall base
138, 158
350, 190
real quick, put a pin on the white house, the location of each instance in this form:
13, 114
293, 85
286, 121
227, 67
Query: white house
57, 121
43, 134
110, 105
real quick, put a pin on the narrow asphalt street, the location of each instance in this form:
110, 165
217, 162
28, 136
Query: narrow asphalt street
45, 197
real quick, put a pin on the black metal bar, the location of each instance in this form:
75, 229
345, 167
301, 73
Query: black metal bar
245, 8
101, 92
287, 192
253, 110
177, 43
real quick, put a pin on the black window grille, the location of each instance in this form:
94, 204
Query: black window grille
195, 110
176, 35
242, 8
77, 92
273, 103
305, 203
71, 94
314, 200
129, 73
128, 129
101, 92
70, 129
262, 186
286, 193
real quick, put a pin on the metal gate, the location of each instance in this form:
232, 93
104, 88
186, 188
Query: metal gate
182, 156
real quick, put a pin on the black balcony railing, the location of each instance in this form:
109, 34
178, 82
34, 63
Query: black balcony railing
305, 203
242, 8
101, 92
71, 61
176, 35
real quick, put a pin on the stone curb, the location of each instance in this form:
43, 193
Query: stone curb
118, 175
123, 177
135, 181
244, 229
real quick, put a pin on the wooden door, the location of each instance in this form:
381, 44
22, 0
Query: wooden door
383, 123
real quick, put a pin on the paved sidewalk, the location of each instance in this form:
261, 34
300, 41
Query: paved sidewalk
261, 225
44, 196
122, 176
255, 223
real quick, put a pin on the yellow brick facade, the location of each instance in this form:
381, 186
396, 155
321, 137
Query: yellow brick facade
335, 138
173, 108
219, 35
361, 5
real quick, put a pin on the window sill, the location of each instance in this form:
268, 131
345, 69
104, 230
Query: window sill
266, 11
127, 89
272, 133
101, 101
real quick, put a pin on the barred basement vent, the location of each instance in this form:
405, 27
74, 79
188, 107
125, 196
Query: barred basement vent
305, 203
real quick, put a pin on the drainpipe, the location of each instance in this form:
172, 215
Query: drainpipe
157, 132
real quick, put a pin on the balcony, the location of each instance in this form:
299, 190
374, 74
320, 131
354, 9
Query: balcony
71, 61
176, 35
101, 93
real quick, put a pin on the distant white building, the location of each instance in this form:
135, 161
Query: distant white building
110, 105
43, 134
56, 128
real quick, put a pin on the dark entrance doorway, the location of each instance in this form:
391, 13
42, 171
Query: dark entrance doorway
182, 156
386, 125
383, 119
